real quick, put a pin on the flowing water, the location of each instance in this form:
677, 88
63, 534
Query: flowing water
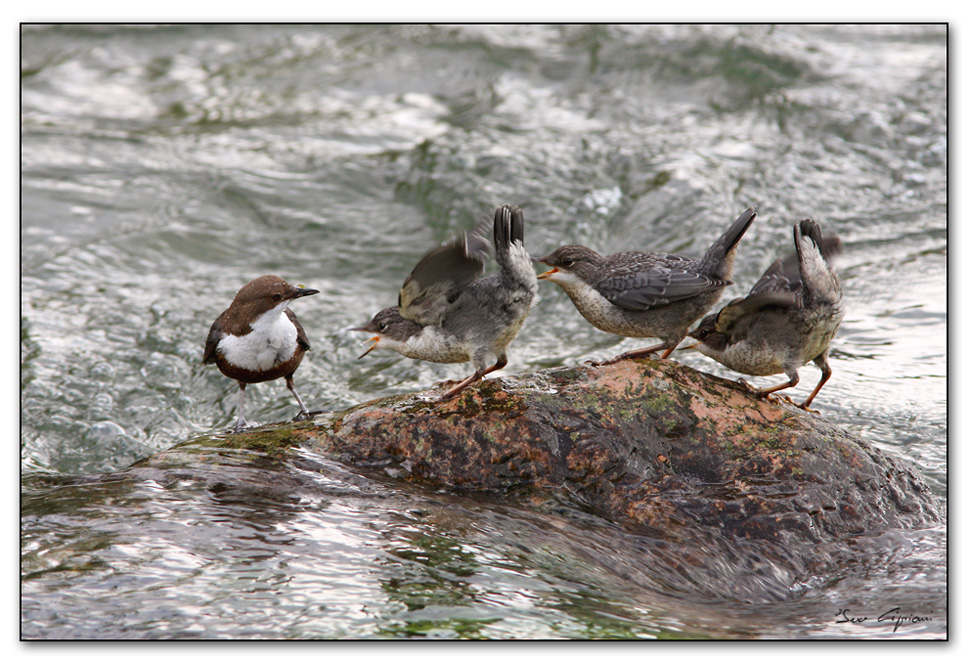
164, 167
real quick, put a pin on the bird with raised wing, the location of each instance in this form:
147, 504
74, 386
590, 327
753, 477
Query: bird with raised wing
447, 314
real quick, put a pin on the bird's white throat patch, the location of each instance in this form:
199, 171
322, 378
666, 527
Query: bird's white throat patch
566, 280
271, 341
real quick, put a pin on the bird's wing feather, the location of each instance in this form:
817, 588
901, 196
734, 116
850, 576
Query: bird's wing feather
656, 287
301, 338
785, 274
740, 307
440, 276
215, 335
781, 276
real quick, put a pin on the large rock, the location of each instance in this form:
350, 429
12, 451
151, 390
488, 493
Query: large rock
652, 445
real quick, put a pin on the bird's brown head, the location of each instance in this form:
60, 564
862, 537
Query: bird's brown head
265, 293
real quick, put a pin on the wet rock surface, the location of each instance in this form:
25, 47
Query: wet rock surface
652, 445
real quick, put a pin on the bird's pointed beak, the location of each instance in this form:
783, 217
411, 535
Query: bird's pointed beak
691, 346
545, 275
375, 341
304, 291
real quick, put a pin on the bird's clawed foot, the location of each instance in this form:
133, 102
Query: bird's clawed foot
747, 385
452, 393
776, 398
461, 386
764, 394
617, 359
446, 383
306, 416
635, 354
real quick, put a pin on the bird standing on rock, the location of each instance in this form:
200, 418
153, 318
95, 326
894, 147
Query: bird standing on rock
258, 339
788, 319
445, 315
641, 295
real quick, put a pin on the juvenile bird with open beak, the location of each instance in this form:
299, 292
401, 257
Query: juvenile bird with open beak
446, 314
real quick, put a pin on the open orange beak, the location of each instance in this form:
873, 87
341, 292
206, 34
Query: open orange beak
375, 340
545, 274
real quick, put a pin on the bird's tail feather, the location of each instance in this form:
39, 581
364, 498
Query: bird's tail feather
719, 259
515, 265
733, 235
509, 227
815, 264
807, 229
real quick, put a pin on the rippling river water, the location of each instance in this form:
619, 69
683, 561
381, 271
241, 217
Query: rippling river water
164, 167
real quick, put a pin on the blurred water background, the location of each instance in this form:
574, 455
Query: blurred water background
164, 167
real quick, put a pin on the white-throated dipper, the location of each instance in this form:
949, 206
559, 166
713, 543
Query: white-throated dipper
788, 319
645, 295
446, 314
258, 339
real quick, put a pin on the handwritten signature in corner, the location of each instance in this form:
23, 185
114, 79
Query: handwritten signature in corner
893, 616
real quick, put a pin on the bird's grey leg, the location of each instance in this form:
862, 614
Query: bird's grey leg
241, 418
304, 412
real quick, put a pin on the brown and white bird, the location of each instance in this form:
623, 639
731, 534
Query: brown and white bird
645, 295
446, 314
258, 338
788, 319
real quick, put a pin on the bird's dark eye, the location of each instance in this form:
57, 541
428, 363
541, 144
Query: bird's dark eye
382, 326
277, 297
567, 262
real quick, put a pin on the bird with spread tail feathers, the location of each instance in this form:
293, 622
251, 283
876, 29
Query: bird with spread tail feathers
447, 314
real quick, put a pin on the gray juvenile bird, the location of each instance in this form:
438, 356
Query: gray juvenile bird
445, 315
788, 319
258, 339
645, 295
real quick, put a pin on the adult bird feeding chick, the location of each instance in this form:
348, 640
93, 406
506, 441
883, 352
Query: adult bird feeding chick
446, 314
258, 338
645, 295
788, 319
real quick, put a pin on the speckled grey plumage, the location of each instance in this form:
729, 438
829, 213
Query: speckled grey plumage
445, 315
639, 294
788, 318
